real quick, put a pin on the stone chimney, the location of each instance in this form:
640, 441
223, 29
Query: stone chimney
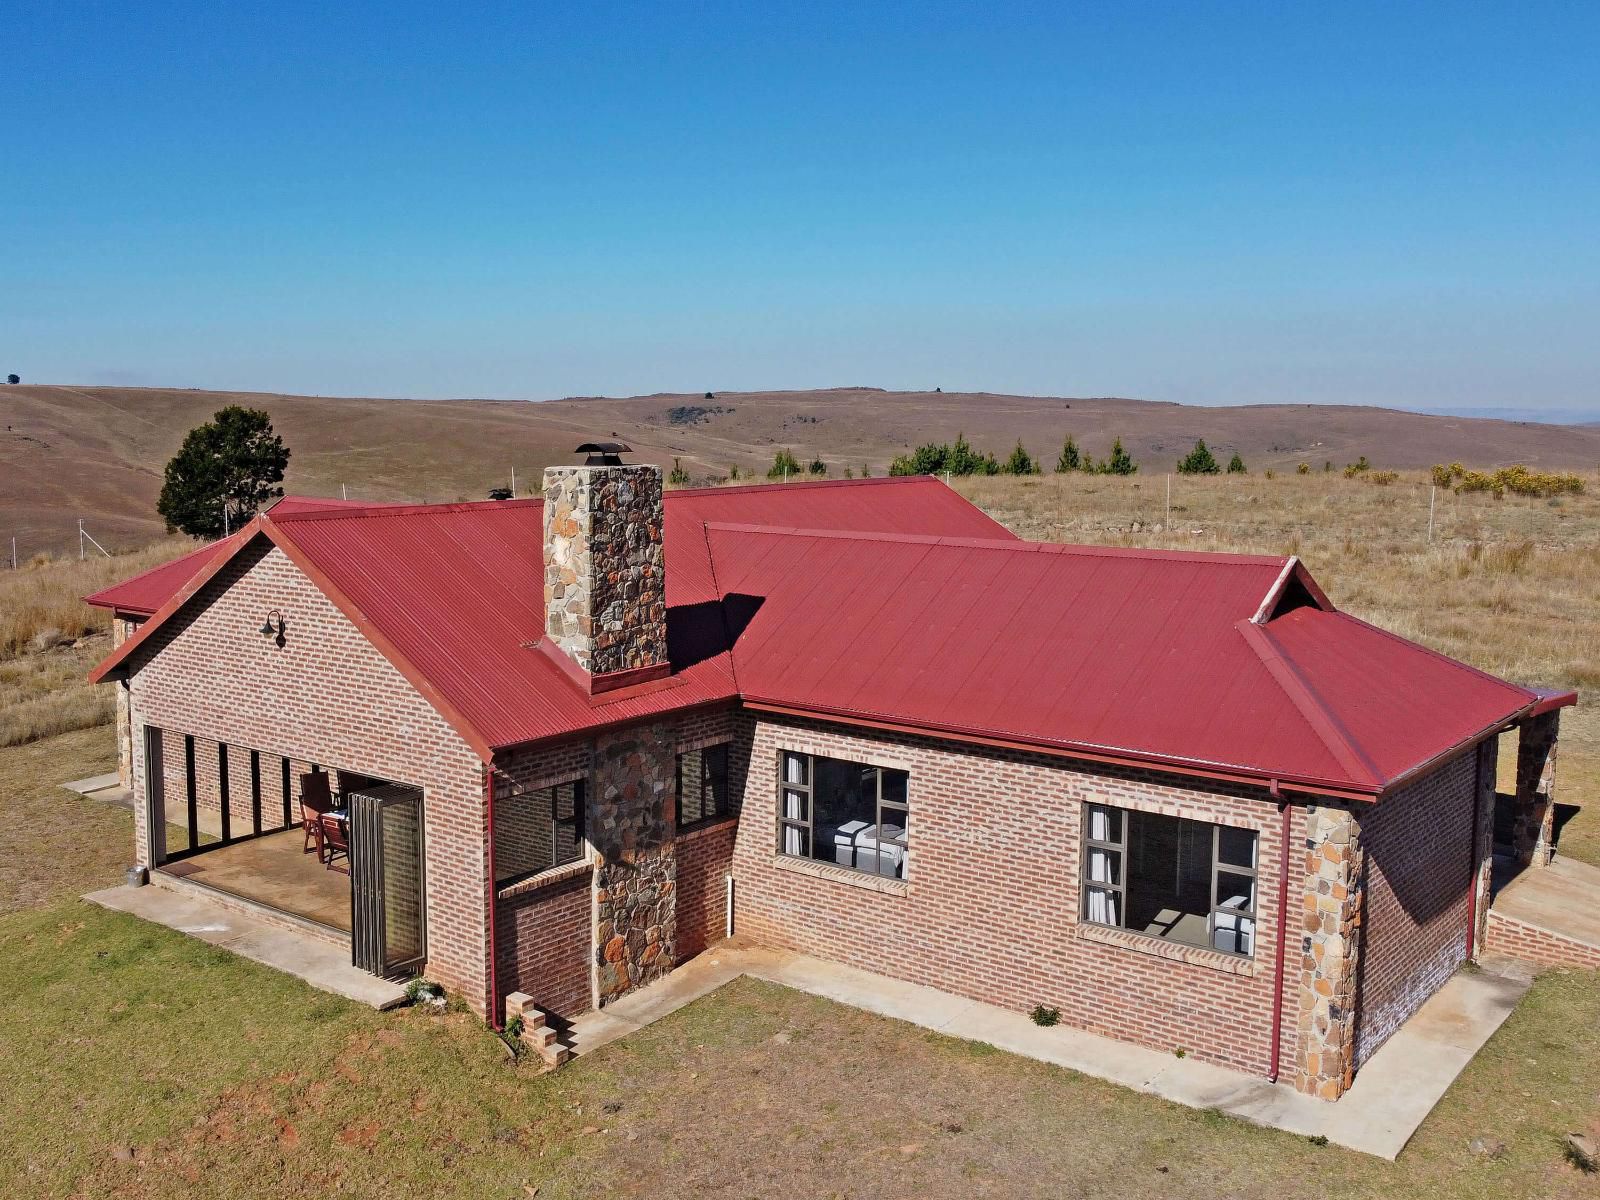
605, 597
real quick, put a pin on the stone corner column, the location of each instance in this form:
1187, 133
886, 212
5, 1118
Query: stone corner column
1483, 852
636, 867
1324, 1062
1533, 829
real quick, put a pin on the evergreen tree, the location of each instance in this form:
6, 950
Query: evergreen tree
1199, 461
1071, 459
1236, 465
1120, 462
784, 464
500, 493
818, 467
1020, 462
223, 473
678, 475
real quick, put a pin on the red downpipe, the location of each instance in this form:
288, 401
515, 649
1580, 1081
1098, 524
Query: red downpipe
1283, 927
495, 1021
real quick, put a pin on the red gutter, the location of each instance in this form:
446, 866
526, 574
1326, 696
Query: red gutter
495, 1022
1151, 762
1283, 928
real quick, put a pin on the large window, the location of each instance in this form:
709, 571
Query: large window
703, 787
537, 830
844, 813
1185, 881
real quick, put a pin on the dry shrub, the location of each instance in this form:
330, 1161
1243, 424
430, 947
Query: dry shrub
1517, 479
1383, 478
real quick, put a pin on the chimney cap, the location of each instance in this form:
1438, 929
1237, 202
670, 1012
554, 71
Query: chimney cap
603, 454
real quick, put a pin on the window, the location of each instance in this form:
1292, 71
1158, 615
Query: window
537, 830
845, 813
1185, 881
703, 787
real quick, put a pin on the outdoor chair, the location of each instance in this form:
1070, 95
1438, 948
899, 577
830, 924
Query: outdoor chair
335, 842
315, 800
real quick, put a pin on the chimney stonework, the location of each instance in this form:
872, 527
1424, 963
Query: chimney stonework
605, 597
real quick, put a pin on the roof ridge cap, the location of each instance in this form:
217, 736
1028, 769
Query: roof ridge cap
382, 509
1323, 721
875, 480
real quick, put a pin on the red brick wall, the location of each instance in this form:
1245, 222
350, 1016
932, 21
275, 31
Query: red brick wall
326, 696
543, 940
991, 906
704, 858
1507, 935
1418, 845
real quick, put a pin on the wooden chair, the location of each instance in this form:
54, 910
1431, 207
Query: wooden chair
334, 841
316, 799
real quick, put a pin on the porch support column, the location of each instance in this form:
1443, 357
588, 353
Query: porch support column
1533, 829
1330, 948
1483, 849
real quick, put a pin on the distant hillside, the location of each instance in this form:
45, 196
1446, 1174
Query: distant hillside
97, 452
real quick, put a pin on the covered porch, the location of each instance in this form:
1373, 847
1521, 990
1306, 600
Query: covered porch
336, 852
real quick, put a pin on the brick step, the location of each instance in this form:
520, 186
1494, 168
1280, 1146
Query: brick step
537, 1032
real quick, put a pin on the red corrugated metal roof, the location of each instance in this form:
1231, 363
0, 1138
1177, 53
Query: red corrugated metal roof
896, 602
454, 593
140, 595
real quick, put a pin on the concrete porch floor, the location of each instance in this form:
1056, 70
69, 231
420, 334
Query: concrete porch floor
320, 962
1563, 898
1397, 1088
273, 870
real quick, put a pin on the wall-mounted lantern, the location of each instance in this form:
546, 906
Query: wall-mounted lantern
274, 626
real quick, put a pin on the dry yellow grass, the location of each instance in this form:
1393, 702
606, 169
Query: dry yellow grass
43, 686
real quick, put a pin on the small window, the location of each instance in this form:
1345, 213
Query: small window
1181, 880
846, 813
703, 795
538, 830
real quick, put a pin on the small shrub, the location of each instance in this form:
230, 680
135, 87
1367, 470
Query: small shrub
514, 1027
1441, 475
1360, 467
678, 475
1318, 1139
1269, 473
1303, 469
1383, 478
817, 468
1045, 1015
784, 464
1236, 465
1180, 1052
500, 493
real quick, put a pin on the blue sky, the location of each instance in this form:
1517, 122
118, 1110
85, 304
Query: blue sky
1393, 204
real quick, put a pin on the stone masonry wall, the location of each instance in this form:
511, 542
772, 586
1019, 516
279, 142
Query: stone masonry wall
604, 586
326, 696
1533, 831
1324, 1062
635, 863
121, 629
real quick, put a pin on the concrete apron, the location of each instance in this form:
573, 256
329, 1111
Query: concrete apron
320, 963
1392, 1094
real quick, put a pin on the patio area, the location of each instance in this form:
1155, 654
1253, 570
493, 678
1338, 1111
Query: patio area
273, 870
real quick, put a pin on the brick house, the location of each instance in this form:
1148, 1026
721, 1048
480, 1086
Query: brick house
1178, 796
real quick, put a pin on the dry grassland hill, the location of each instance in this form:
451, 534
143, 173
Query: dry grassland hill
97, 452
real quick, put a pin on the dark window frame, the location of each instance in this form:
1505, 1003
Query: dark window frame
1119, 887
726, 809
805, 826
575, 823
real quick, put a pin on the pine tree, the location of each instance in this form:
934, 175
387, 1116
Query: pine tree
1199, 461
1120, 462
223, 473
784, 464
1070, 459
678, 475
1020, 462
1236, 465
818, 467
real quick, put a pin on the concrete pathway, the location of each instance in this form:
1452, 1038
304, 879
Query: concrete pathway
105, 788
320, 963
1392, 1094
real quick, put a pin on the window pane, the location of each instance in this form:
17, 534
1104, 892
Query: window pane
1105, 824
1100, 907
716, 801
795, 768
894, 786
794, 805
796, 842
1103, 866
1236, 847
1236, 891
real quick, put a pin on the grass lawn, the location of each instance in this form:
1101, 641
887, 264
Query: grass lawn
142, 1063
